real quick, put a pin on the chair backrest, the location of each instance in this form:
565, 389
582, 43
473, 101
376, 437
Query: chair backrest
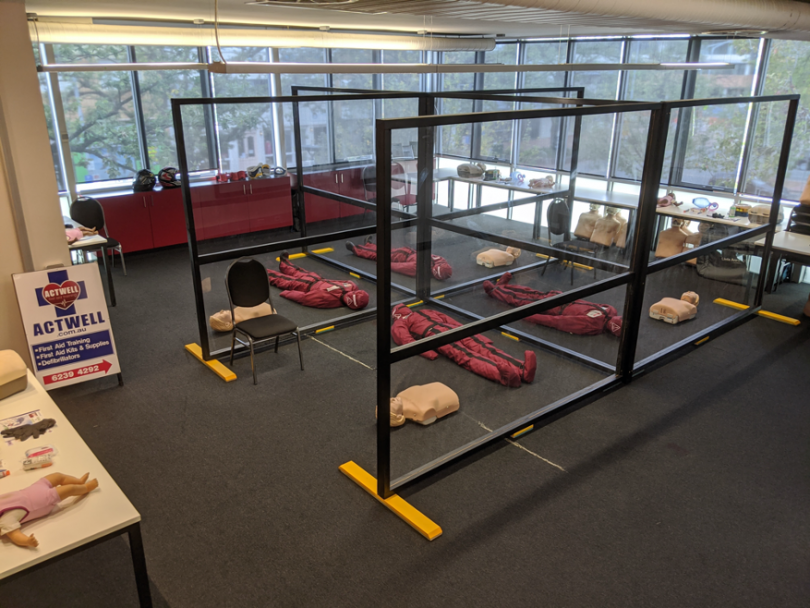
370, 179
246, 283
88, 212
558, 217
399, 187
799, 220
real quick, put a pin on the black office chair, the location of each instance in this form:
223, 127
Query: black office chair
370, 183
88, 212
247, 286
558, 217
799, 220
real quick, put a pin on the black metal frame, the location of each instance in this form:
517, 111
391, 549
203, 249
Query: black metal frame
136, 552
633, 276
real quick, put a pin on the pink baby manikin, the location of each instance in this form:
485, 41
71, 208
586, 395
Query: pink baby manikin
492, 258
423, 404
672, 311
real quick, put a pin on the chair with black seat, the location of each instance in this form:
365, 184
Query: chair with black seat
88, 212
558, 217
247, 286
370, 183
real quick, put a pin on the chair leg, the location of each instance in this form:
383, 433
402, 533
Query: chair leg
252, 365
276, 350
123, 263
300, 354
233, 343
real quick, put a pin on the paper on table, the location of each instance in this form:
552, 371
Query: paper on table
96, 239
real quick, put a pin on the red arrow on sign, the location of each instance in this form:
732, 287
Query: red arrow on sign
85, 370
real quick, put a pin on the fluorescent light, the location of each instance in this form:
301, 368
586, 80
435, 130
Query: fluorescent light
118, 67
244, 67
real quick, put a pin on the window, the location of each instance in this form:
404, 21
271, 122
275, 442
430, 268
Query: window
496, 137
403, 141
353, 120
540, 138
457, 139
648, 86
49, 120
157, 90
788, 72
99, 113
314, 117
715, 140
239, 124
595, 141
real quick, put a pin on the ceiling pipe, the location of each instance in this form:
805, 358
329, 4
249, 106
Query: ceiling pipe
91, 33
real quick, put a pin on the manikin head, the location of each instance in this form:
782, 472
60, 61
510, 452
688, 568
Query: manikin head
356, 300
691, 297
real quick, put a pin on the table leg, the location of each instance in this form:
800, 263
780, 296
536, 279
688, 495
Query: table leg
769, 277
139, 563
538, 219
110, 287
451, 192
478, 194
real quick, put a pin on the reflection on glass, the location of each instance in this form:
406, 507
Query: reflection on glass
457, 139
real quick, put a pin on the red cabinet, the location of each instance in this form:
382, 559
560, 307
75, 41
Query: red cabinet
270, 204
128, 220
351, 184
319, 208
225, 210
168, 218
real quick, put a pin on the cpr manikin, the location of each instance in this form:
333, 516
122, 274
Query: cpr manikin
492, 258
310, 289
403, 260
674, 240
38, 500
221, 321
587, 222
670, 310
607, 228
423, 404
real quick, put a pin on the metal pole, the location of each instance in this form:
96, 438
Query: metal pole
684, 115
208, 112
645, 221
300, 213
383, 154
60, 124
424, 201
784, 154
191, 229
278, 114
140, 124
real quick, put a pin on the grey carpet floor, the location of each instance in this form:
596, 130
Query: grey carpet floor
688, 487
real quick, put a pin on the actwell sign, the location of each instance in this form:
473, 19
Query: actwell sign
67, 325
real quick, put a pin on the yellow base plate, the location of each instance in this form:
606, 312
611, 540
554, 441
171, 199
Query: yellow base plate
427, 528
215, 366
762, 313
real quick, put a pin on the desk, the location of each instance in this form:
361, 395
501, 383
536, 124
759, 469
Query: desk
95, 245
79, 524
788, 245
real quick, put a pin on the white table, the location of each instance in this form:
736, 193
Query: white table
78, 523
94, 243
788, 245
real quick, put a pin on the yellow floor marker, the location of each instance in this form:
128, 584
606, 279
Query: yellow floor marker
522, 432
215, 366
324, 250
510, 336
401, 508
323, 329
294, 256
762, 313
415, 304
355, 275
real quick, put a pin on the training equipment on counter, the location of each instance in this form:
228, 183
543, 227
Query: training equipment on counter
578, 317
471, 170
423, 404
168, 177
672, 311
676, 239
144, 181
29, 430
310, 289
403, 260
475, 354
492, 258
221, 321
13, 373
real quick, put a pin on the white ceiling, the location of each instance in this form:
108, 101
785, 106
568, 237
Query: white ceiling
511, 18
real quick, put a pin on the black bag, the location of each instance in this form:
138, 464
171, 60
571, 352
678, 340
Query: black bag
725, 267
558, 217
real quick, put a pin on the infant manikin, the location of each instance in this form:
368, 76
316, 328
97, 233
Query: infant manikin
670, 310
423, 404
221, 321
38, 500
587, 222
606, 228
672, 241
497, 257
